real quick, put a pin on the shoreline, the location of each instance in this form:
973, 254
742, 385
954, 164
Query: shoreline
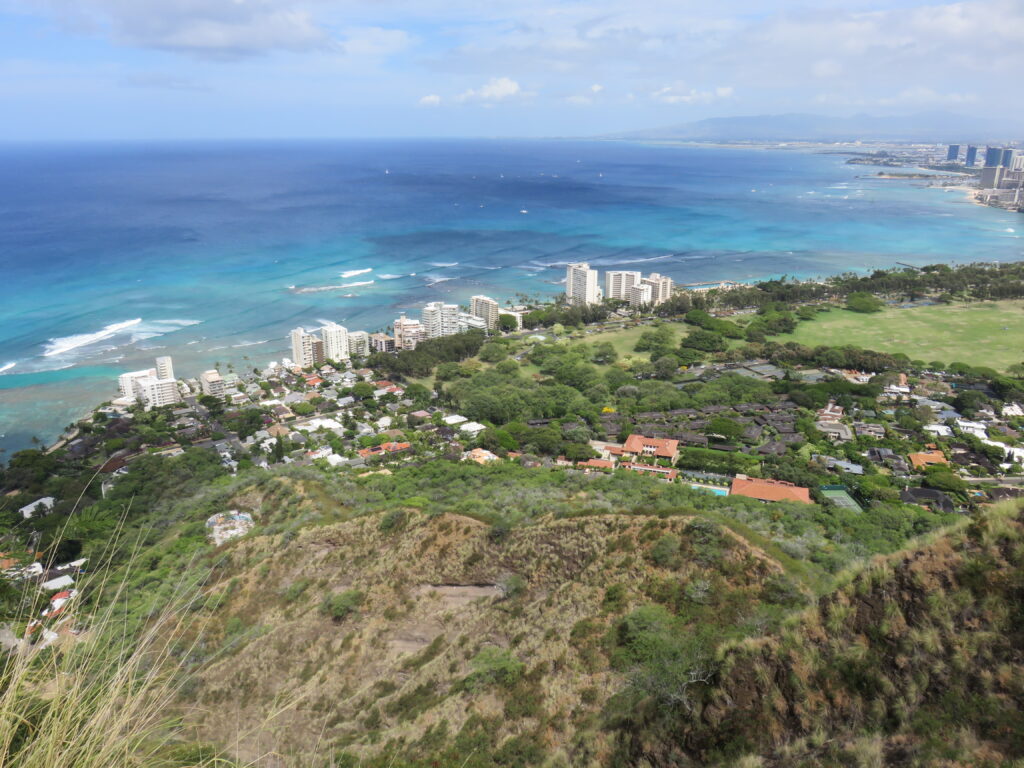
809, 263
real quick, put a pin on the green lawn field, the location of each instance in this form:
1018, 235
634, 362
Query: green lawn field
985, 333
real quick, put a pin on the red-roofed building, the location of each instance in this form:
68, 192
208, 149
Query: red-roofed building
666, 472
590, 464
383, 449
651, 447
769, 490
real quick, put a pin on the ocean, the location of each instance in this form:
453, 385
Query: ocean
112, 254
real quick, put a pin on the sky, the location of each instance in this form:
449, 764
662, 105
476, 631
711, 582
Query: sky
186, 69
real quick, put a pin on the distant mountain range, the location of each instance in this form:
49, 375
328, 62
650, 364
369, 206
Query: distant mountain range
924, 126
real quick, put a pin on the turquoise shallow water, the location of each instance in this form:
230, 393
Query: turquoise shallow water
212, 252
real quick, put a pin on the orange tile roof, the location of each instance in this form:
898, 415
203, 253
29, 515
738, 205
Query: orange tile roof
668, 474
925, 458
596, 464
665, 449
383, 448
769, 490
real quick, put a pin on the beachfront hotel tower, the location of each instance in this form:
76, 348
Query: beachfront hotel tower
440, 319
164, 367
307, 349
358, 343
486, 308
661, 287
335, 338
617, 283
408, 333
581, 286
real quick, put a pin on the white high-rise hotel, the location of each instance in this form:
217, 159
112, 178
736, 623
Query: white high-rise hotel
152, 387
581, 284
618, 282
486, 308
335, 339
440, 319
304, 348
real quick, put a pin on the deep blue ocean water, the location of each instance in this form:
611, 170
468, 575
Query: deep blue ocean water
112, 254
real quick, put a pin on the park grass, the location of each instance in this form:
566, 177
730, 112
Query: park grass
983, 334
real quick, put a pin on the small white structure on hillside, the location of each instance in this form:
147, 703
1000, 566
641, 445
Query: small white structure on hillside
225, 526
39, 506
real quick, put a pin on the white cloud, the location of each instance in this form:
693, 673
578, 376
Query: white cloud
375, 42
212, 28
430, 100
596, 88
679, 94
494, 90
927, 97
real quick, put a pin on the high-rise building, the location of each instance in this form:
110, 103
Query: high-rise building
358, 343
971, 157
487, 308
153, 392
640, 295
381, 342
617, 283
953, 153
1007, 158
661, 287
126, 381
211, 383
408, 333
993, 156
1018, 162
164, 368
335, 338
304, 349
440, 319
581, 284
991, 177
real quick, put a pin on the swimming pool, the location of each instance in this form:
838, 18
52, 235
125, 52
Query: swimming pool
710, 488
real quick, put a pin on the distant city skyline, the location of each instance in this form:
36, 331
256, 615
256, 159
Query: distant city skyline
180, 69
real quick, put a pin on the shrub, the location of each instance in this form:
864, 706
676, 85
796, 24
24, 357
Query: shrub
393, 520
294, 590
342, 604
493, 665
513, 586
615, 597
665, 551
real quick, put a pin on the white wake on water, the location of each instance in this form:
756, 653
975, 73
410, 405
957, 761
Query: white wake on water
64, 344
134, 331
354, 272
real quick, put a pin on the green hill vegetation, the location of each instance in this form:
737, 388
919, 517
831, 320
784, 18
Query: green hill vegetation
461, 615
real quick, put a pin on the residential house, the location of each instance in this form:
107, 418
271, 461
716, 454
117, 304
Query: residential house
638, 446
39, 506
384, 449
480, 456
843, 466
836, 431
925, 459
769, 490
667, 473
928, 497
864, 429
830, 412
